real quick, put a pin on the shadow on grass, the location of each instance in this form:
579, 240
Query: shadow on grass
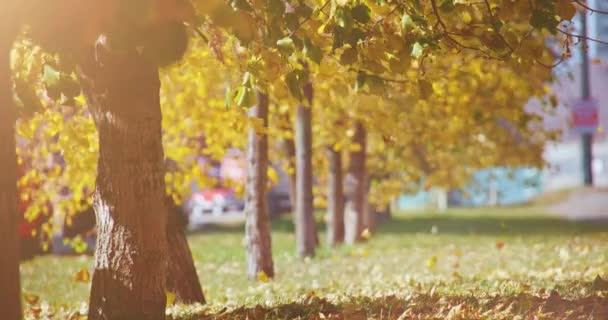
428, 306
490, 224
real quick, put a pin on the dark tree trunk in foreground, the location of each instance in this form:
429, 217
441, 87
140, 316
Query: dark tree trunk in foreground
257, 228
129, 279
10, 291
335, 198
304, 211
357, 188
182, 279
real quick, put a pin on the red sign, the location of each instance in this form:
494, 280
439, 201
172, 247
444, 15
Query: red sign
585, 116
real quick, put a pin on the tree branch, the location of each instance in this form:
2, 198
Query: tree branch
584, 5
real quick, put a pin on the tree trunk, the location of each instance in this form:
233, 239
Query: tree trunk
10, 290
182, 279
129, 279
357, 188
290, 153
335, 199
257, 227
305, 224
371, 214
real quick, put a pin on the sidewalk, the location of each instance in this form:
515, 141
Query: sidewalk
584, 204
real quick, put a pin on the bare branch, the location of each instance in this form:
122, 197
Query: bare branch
584, 5
581, 37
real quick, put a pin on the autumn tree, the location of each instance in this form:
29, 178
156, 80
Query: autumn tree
122, 87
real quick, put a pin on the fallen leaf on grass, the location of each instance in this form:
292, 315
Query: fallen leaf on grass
82, 276
31, 299
500, 244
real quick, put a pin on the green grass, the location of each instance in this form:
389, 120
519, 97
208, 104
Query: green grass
427, 266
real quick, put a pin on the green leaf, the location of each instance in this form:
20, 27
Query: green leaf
361, 13
293, 84
312, 52
50, 76
244, 97
417, 50
344, 18
247, 79
286, 45
407, 23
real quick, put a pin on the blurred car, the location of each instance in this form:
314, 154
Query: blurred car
278, 201
212, 202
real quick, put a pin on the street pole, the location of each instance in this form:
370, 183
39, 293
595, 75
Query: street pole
587, 138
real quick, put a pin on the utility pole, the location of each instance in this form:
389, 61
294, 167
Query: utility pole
587, 138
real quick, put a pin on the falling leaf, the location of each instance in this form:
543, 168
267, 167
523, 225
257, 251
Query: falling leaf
597, 61
366, 234
432, 262
82, 275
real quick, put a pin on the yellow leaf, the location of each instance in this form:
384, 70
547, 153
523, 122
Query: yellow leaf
273, 176
263, 277
82, 276
366, 234
170, 298
432, 262
31, 298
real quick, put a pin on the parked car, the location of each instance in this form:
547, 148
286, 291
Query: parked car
279, 202
212, 202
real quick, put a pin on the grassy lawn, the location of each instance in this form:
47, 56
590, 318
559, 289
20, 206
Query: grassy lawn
465, 264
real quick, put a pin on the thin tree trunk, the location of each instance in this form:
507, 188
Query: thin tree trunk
335, 199
290, 153
305, 225
129, 279
371, 214
10, 290
357, 188
257, 228
182, 279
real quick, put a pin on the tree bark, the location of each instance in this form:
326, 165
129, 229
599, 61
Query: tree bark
357, 188
371, 214
257, 226
129, 279
290, 153
335, 199
10, 289
304, 211
182, 279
